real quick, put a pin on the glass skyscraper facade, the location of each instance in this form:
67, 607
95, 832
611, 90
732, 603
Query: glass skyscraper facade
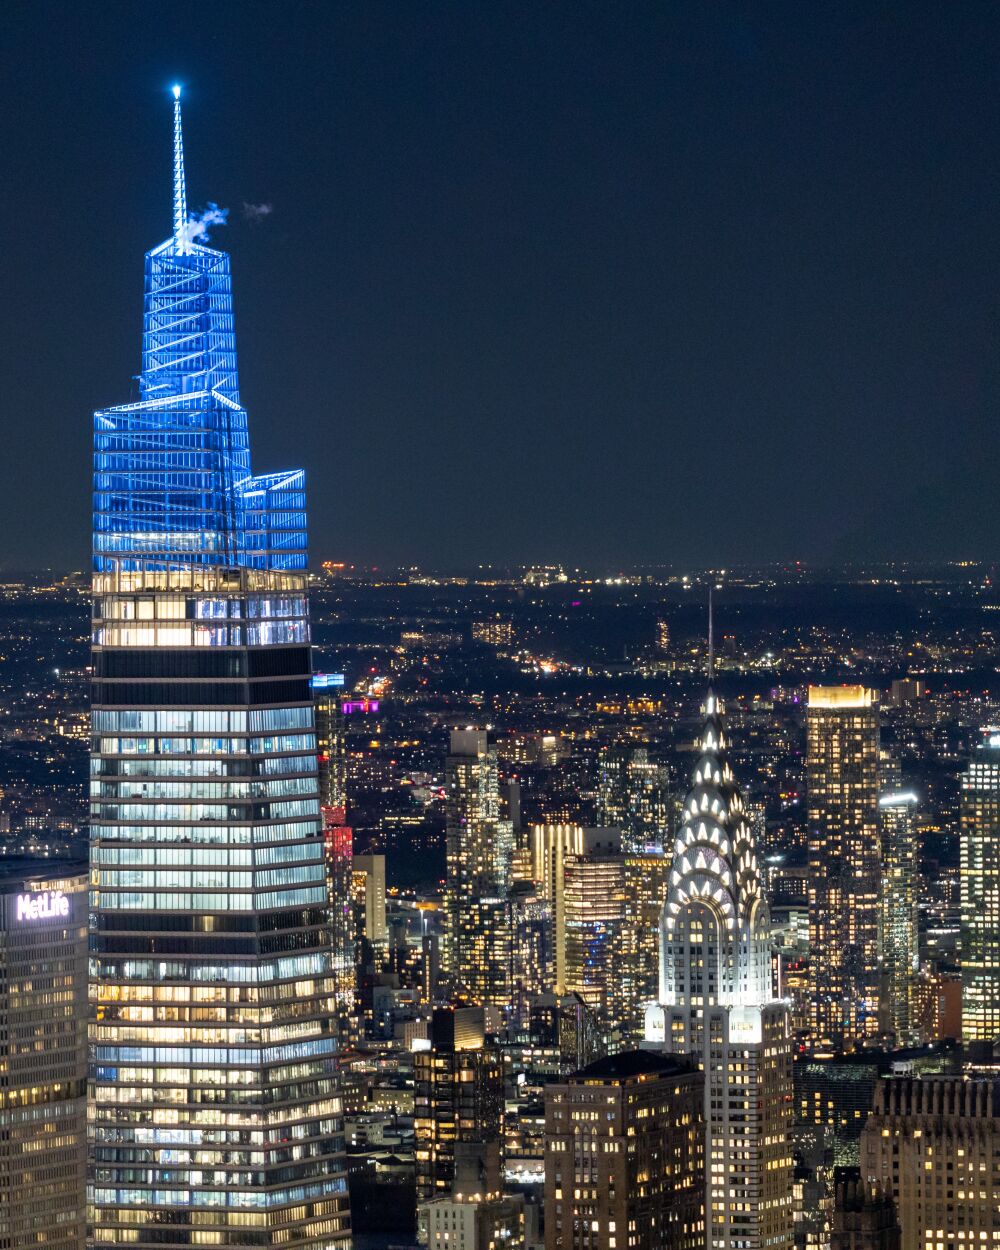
214, 1113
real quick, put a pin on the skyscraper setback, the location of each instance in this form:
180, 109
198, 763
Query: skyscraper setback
215, 1114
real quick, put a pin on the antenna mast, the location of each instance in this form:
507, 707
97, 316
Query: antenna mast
180, 187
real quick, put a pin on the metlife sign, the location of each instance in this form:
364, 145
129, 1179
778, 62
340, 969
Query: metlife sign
46, 905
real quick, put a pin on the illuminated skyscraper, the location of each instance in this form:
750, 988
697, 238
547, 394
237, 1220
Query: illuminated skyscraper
338, 836
845, 872
900, 878
595, 918
980, 858
215, 1118
632, 796
43, 1055
718, 1004
480, 849
639, 963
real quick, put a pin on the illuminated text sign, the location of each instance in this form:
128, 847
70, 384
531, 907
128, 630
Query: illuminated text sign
48, 905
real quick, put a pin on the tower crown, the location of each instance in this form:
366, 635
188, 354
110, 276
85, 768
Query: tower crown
172, 475
714, 898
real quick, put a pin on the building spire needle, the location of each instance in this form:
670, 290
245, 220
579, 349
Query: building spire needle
180, 187
711, 640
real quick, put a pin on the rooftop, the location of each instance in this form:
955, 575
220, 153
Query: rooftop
19, 872
630, 1063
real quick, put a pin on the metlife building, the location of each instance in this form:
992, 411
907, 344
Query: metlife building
43, 1054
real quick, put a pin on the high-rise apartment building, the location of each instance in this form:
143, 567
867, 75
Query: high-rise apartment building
632, 795
549, 846
458, 1106
480, 849
900, 896
586, 916
595, 919
980, 885
932, 1144
845, 873
625, 1156
718, 1004
646, 878
533, 950
368, 887
43, 1055
496, 631
215, 1116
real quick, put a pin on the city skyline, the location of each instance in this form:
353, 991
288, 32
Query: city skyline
503, 237
552, 887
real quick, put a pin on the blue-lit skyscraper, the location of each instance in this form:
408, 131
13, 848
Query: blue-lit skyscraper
214, 1113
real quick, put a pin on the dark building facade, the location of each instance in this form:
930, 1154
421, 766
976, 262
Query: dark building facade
458, 1103
864, 1216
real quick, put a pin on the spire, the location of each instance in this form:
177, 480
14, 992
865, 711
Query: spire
711, 640
180, 188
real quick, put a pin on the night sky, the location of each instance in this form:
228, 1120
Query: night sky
592, 283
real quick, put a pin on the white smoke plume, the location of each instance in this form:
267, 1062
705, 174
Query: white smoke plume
196, 229
257, 212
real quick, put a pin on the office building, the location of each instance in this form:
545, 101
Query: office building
566, 1024
932, 1143
474, 1223
907, 690
632, 795
215, 1116
900, 896
458, 1106
845, 873
625, 1156
980, 897
718, 1004
863, 1216
480, 847
43, 1055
